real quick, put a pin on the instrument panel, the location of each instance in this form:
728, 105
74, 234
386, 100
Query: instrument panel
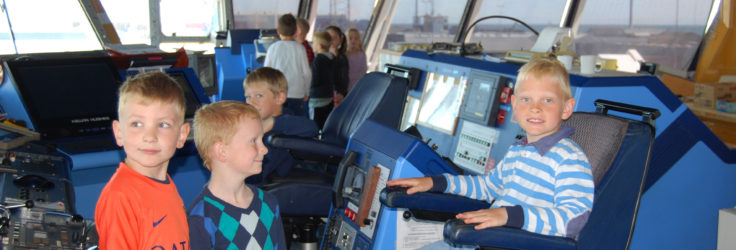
37, 201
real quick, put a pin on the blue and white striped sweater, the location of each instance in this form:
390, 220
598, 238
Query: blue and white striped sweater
553, 189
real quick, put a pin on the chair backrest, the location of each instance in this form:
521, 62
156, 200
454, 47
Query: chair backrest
377, 96
618, 150
600, 138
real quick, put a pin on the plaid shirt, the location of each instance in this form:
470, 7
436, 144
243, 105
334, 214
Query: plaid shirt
310, 52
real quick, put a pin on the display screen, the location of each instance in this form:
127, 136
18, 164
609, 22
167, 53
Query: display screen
68, 97
192, 101
482, 98
441, 101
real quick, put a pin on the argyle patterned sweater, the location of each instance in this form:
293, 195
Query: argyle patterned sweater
215, 224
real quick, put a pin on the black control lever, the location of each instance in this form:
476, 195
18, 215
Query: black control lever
337, 188
5, 219
27, 204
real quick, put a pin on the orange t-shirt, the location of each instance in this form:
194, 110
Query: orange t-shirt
137, 212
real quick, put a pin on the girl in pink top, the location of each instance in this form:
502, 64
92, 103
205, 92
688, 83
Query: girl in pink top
356, 58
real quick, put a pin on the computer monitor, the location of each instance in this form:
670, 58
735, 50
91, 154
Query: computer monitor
68, 97
189, 83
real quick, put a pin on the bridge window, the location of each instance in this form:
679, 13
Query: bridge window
60, 25
6, 43
661, 31
132, 29
260, 14
497, 35
192, 18
345, 14
423, 22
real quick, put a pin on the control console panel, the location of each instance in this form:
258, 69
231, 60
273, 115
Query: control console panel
37, 201
358, 220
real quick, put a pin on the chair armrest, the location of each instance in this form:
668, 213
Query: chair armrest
456, 231
301, 147
430, 206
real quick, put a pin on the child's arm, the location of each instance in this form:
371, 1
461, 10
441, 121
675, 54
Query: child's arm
414, 185
492, 217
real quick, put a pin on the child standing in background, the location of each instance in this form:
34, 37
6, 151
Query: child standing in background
356, 58
323, 79
302, 29
337, 48
289, 57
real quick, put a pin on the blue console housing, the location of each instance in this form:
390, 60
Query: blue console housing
402, 156
234, 62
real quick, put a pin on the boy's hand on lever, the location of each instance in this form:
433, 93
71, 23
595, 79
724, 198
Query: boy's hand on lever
491, 217
413, 185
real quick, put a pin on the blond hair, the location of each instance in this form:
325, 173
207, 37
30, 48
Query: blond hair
153, 86
272, 78
322, 39
218, 122
545, 67
360, 42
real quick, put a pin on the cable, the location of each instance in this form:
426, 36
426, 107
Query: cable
10, 27
465, 34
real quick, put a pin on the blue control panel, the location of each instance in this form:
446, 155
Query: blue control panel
357, 219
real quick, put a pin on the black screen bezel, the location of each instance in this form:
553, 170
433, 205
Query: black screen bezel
67, 125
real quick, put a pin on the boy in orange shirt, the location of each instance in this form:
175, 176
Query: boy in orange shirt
140, 207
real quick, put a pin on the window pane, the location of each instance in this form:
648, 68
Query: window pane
345, 14
60, 25
6, 41
423, 22
131, 20
260, 14
195, 18
498, 35
661, 31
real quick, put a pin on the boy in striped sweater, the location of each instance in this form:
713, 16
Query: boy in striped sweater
544, 182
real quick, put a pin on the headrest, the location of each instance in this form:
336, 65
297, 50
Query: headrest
600, 137
377, 95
